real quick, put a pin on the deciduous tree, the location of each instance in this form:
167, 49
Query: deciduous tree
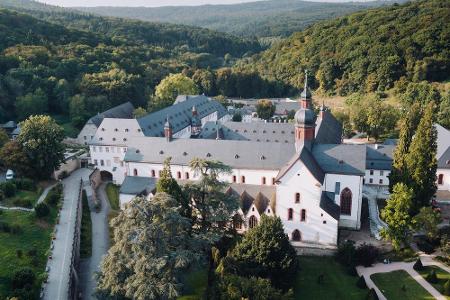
41, 139
396, 214
427, 220
171, 87
265, 109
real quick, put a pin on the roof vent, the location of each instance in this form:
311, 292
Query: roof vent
124, 139
184, 153
126, 129
161, 152
254, 131
236, 156
103, 129
116, 130
262, 157
101, 139
341, 162
138, 151
114, 139
139, 130
208, 154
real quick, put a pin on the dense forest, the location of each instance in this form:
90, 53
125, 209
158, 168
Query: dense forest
273, 18
365, 51
94, 63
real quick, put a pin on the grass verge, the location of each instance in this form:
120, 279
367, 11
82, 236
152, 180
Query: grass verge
442, 277
112, 191
337, 283
195, 285
399, 285
22, 198
26, 248
86, 229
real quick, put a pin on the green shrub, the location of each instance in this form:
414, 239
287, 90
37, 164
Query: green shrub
22, 278
8, 188
366, 255
19, 253
20, 202
418, 266
25, 184
346, 254
372, 295
447, 288
41, 210
361, 283
53, 198
425, 246
432, 277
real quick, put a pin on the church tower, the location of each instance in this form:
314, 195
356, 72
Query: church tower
305, 120
196, 123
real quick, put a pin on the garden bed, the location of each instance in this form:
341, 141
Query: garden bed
442, 277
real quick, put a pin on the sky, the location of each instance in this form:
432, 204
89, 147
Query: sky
155, 3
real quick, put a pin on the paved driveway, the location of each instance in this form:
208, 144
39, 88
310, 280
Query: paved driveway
100, 245
58, 277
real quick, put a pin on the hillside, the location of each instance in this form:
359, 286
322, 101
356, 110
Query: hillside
261, 19
135, 32
365, 51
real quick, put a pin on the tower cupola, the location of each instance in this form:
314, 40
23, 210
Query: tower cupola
305, 119
168, 130
196, 123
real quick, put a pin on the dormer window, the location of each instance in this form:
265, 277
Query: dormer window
262, 157
116, 130
139, 130
161, 152
103, 129
114, 139
138, 151
124, 139
101, 139
126, 130
208, 154
254, 131
236, 156
185, 153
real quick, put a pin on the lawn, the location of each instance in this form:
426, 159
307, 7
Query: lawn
86, 229
399, 285
112, 191
337, 284
442, 276
27, 248
22, 198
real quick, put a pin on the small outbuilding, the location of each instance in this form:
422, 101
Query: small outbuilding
134, 186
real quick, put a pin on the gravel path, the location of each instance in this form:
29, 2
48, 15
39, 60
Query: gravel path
100, 244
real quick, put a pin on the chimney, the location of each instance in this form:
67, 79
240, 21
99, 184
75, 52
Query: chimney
168, 130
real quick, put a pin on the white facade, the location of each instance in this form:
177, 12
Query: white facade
337, 183
444, 184
318, 227
86, 134
377, 177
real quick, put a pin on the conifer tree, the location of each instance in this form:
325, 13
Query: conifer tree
408, 127
167, 184
421, 161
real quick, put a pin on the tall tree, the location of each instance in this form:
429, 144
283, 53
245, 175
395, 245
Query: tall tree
212, 207
265, 109
265, 251
167, 184
396, 214
32, 104
444, 111
427, 220
41, 138
421, 161
408, 127
151, 250
171, 87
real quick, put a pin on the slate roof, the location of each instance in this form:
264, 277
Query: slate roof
444, 160
236, 154
341, 159
381, 158
135, 185
328, 130
123, 111
180, 114
310, 163
116, 132
255, 131
260, 195
327, 204
443, 140
283, 108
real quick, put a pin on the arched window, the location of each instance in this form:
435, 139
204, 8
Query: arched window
346, 202
252, 222
242, 179
159, 173
273, 181
153, 173
179, 175
296, 236
135, 172
234, 179
441, 179
297, 197
290, 214
237, 222
303, 215
263, 180
187, 175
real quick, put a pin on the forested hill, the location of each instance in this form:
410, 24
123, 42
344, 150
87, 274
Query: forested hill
261, 19
17, 28
121, 31
365, 51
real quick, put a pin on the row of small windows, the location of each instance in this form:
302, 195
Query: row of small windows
245, 130
263, 180
108, 149
125, 130
290, 216
153, 174
371, 172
